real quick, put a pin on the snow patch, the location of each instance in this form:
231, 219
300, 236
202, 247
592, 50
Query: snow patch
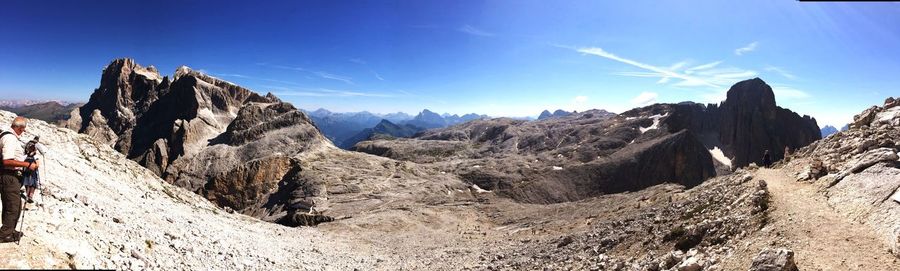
557, 168
720, 156
478, 189
150, 75
655, 123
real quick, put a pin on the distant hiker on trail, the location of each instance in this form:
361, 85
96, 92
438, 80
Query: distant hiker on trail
767, 159
13, 163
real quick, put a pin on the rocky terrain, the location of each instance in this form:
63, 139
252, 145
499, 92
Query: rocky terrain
859, 170
245, 152
99, 210
189, 173
581, 155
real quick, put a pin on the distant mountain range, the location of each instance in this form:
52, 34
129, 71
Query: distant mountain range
50, 111
347, 128
558, 113
384, 130
829, 130
23, 102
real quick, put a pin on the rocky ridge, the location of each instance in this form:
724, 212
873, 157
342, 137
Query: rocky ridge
859, 170
585, 154
236, 148
98, 209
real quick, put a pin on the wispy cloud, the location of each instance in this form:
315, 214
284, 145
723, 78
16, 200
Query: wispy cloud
789, 93
378, 76
780, 71
320, 74
702, 75
324, 92
345, 79
746, 49
235, 75
471, 30
580, 103
644, 99
357, 61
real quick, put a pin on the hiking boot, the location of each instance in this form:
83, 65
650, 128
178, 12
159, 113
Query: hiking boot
30, 200
15, 237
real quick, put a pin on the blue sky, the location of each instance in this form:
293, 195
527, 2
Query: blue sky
502, 58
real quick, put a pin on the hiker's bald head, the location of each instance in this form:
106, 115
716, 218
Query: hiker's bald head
18, 125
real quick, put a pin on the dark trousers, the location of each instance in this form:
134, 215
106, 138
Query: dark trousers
10, 186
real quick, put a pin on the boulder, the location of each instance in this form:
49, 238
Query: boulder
868, 159
865, 118
774, 260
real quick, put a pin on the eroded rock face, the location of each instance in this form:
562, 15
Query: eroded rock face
747, 124
243, 165
141, 107
213, 137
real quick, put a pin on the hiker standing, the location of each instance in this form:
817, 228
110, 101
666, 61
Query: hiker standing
31, 179
13, 155
767, 159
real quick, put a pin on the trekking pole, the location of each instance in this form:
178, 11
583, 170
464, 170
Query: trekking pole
22, 221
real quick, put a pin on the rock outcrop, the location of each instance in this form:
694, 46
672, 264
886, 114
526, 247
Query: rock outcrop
774, 260
149, 113
859, 170
210, 136
245, 152
746, 124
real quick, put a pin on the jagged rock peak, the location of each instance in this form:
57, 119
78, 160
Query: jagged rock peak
751, 92
120, 70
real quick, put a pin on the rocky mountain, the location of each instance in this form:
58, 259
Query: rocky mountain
345, 129
51, 111
828, 130
16, 103
747, 124
338, 127
558, 113
430, 120
210, 136
385, 128
102, 210
595, 152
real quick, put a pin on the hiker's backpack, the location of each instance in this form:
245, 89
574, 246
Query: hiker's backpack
4, 133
